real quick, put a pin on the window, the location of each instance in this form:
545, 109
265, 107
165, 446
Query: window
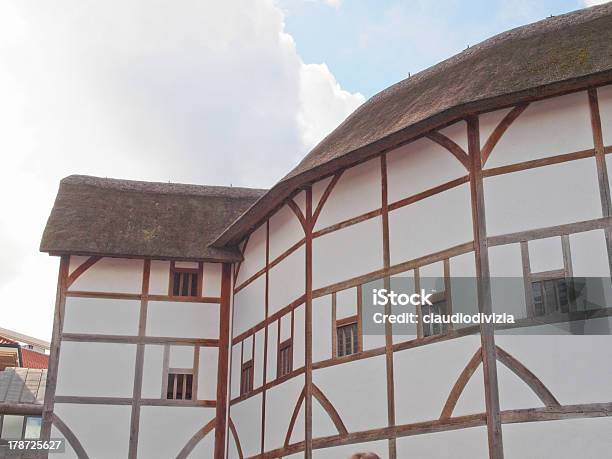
180, 386
15, 427
550, 296
185, 282
437, 308
284, 363
246, 378
347, 338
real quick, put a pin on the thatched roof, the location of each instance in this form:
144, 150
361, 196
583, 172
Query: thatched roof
547, 58
99, 216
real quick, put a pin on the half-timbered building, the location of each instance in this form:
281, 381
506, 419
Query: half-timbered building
196, 321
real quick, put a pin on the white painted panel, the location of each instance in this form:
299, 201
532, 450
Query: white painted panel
207, 374
298, 428
101, 316
318, 189
367, 376
462, 443
545, 254
247, 348
589, 254
321, 328
165, 430
546, 128
424, 376
507, 287
152, 371
346, 303
205, 449
287, 281
280, 401
247, 419
322, 424
463, 265
84, 369
285, 326
181, 357
235, 371
541, 197
571, 438
300, 200
254, 255
249, 305
159, 277
419, 166
212, 279
299, 336
272, 351
121, 275
347, 253
103, 430
381, 448
552, 358
604, 96
514, 393
506, 261
186, 264
183, 319
457, 133
472, 399
358, 191
258, 365
489, 121
69, 452
423, 227
285, 230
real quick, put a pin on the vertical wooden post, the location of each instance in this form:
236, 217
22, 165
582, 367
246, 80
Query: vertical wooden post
138, 367
222, 363
602, 169
58, 325
308, 330
265, 355
483, 282
388, 327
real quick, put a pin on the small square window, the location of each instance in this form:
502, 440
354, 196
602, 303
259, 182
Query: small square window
347, 339
246, 378
185, 283
284, 363
550, 296
180, 386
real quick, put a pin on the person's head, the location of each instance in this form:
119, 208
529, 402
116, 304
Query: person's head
364, 456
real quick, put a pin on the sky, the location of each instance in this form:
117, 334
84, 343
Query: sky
207, 92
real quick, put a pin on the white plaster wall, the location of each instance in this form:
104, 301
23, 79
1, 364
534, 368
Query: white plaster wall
423, 227
507, 287
318, 188
553, 358
381, 448
457, 133
212, 279
285, 230
101, 316
68, 451
207, 374
254, 255
272, 351
103, 430
285, 327
287, 281
205, 449
299, 336
300, 200
183, 319
419, 166
85, 369
346, 303
321, 328
258, 365
589, 254
424, 376
159, 277
247, 419
152, 370
121, 275
165, 430
358, 191
604, 96
545, 254
546, 128
472, 399
345, 384
249, 305
487, 122
280, 401
235, 371
347, 253
463, 443
514, 393
298, 428
181, 356
506, 261
541, 197
571, 438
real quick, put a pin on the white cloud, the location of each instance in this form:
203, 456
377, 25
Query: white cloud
201, 92
594, 2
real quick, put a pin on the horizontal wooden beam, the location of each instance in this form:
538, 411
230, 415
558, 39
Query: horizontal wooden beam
127, 339
22, 409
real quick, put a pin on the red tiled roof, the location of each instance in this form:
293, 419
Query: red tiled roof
33, 359
4, 340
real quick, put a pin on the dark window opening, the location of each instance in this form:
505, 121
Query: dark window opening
185, 283
284, 364
347, 339
179, 386
436, 309
246, 378
550, 296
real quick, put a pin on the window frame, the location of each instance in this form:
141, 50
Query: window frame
249, 367
193, 371
283, 346
352, 321
197, 272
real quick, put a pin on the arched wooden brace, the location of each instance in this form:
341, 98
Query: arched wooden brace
460, 384
81, 269
451, 146
324, 198
499, 131
69, 435
200, 434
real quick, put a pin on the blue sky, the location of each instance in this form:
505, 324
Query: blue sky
369, 45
